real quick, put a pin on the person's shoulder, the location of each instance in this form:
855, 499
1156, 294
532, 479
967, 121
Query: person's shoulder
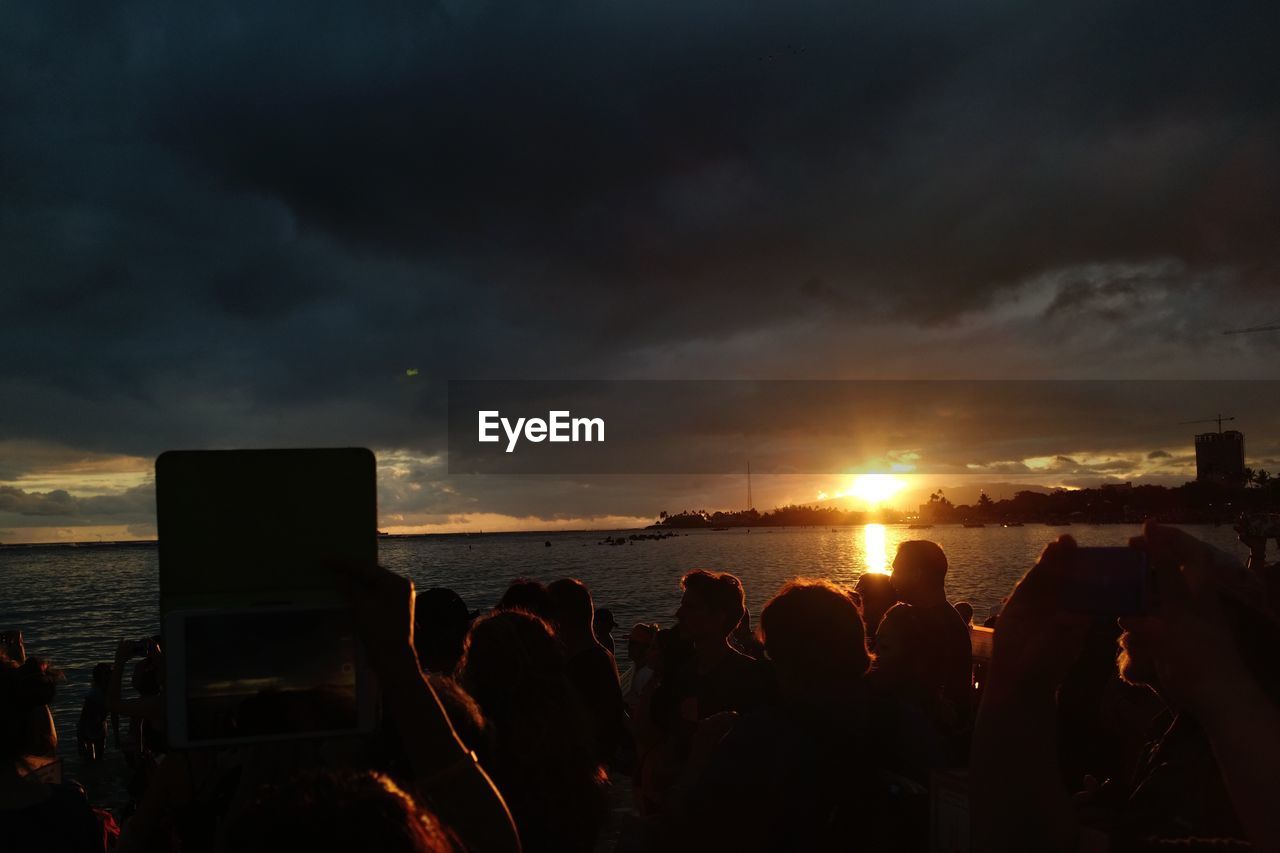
899, 617
595, 663
944, 614
954, 623
603, 658
740, 662
900, 611
758, 672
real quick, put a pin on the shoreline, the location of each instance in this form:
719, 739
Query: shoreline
152, 543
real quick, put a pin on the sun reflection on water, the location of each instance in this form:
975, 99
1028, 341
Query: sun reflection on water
873, 547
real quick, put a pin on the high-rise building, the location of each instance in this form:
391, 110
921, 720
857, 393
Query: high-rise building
1220, 458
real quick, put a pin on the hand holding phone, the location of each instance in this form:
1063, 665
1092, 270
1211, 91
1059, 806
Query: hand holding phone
127, 649
11, 642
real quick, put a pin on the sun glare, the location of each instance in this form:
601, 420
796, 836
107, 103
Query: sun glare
874, 489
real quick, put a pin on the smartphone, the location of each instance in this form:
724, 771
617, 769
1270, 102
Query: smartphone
11, 643
1108, 583
265, 674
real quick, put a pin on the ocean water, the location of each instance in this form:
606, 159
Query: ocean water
73, 604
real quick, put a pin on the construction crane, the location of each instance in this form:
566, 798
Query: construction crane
1218, 420
1270, 327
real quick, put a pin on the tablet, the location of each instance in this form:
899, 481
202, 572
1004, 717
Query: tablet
259, 645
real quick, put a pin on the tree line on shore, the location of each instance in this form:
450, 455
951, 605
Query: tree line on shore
1190, 503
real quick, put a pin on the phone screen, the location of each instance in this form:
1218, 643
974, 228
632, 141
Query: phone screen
1107, 583
269, 674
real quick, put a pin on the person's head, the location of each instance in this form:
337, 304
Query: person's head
898, 659
506, 649
102, 676
813, 633
514, 667
1255, 632
26, 726
147, 676
640, 641
529, 595
440, 620
605, 623
712, 606
878, 595
965, 609
336, 812
571, 607
671, 650
920, 572
1136, 662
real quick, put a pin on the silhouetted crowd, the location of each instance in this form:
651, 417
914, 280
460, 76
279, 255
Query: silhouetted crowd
872, 719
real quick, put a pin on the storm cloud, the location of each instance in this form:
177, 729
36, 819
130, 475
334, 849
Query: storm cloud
242, 225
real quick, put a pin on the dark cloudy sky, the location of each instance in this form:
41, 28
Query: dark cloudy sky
239, 226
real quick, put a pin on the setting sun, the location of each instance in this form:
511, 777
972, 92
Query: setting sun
871, 489
874, 488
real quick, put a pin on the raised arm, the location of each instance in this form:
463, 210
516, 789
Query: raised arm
145, 706
1018, 800
447, 774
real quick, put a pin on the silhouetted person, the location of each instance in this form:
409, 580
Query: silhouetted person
724, 679
441, 621
529, 595
91, 731
798, 775
1254, 533
548, 773
744, 639
643, 638
145, 740
590, 666
1102, 720
922, 645
876, 591
604, 625
35, 815
965, 609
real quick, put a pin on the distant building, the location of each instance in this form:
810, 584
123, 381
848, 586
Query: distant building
1220, 458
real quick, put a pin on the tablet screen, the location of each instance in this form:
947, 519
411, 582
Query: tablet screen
268, 674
